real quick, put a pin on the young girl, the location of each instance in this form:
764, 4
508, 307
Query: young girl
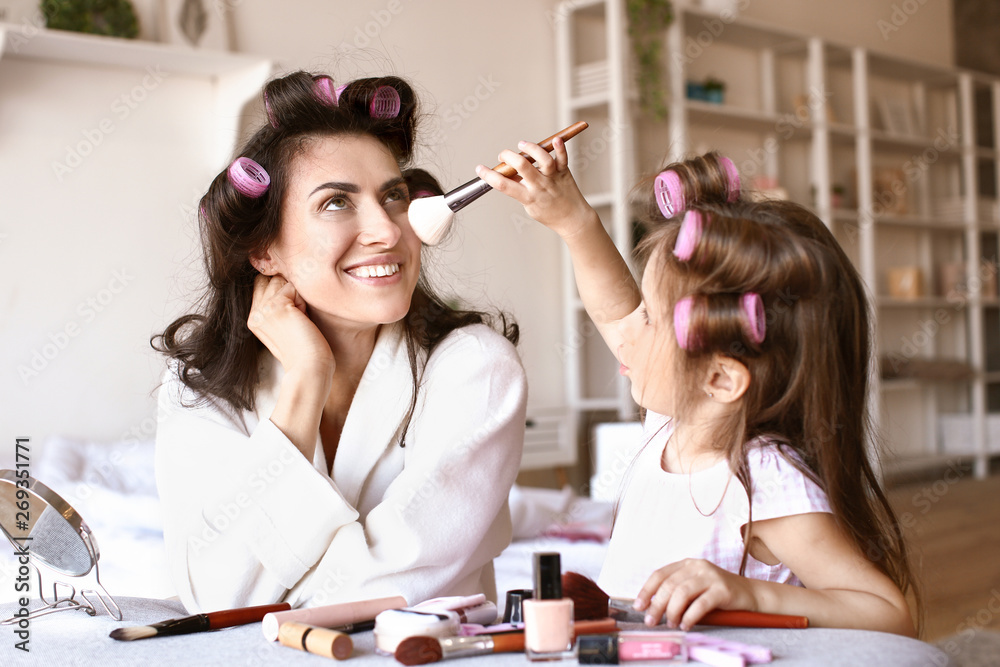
752, 333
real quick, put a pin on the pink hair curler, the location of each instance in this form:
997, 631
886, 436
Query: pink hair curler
385, 103
689, 235
682, 322
669, 193
323, 89
733, 178
248, 177
338, 92
755, 321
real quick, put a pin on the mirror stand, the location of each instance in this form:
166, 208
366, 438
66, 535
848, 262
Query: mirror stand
66, 598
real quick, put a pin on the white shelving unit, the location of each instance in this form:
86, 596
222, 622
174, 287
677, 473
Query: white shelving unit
591, 55
900, 159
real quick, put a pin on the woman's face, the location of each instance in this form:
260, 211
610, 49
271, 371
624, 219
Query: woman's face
345, 241
648, 353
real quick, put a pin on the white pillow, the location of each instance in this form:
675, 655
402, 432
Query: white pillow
124, 467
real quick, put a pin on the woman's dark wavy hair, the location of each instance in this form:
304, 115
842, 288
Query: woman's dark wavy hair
216, 354
810, 376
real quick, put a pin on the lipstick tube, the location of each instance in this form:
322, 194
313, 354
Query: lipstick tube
662, 647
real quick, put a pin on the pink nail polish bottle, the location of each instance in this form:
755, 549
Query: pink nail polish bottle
548, 617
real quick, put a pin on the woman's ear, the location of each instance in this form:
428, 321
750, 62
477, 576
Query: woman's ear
726, 380
263, 262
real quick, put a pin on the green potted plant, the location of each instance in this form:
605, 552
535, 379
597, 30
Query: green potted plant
715, 90
647, 21
115, 18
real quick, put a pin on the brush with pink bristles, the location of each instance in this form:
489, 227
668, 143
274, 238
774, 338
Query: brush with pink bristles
431, 217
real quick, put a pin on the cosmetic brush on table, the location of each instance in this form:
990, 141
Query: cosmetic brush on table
590, 601
213, 620
420, 650
431, 217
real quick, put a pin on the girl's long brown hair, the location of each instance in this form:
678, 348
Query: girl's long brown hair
810, 376
216, 354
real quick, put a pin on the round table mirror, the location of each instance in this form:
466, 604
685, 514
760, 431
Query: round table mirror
43, 526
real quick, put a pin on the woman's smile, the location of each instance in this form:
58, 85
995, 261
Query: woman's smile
377, 271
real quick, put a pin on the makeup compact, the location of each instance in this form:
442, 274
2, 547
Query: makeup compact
548, 617
394, 625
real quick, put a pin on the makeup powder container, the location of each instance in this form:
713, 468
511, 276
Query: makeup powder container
394, 625
548, 616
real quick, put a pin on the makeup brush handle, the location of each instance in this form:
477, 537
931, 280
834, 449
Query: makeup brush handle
568, 133
232, 617
734, 618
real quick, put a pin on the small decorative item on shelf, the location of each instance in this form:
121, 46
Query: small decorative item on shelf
710, 90
647, 22
838, 196
114, 18
896, 116
192, 23
906, 283
951, 280
715, 90
890, 192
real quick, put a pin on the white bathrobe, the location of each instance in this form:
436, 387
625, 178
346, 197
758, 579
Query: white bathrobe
248, 520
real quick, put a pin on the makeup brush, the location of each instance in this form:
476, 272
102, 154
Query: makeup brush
589, 601
430, 217
423, 650
213, 620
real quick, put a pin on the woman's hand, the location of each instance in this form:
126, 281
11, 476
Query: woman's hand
547, 189
278, 318
688, 589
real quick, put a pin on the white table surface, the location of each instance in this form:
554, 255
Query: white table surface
74, 638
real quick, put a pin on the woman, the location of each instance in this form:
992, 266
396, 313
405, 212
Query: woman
329, 430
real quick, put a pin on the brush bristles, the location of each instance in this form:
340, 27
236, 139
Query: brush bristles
589, 601
430, 219
130, 634
419, 651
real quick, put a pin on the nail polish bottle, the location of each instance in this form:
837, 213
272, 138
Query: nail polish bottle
548, 617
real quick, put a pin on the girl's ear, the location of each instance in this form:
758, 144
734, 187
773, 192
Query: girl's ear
726, 379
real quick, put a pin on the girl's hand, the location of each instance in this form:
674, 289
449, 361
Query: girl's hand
278, 318
547, 189
688, 589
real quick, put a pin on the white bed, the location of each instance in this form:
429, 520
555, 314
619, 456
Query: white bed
112, 487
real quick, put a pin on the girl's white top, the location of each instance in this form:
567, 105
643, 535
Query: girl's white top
666, 517
249, 521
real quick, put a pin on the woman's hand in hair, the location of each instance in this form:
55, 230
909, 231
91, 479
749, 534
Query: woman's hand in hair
687, 590
278, 318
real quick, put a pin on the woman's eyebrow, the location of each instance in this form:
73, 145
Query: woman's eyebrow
352, 188
334, 185
393, 182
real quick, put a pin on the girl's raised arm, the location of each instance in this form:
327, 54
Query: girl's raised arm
550, 195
